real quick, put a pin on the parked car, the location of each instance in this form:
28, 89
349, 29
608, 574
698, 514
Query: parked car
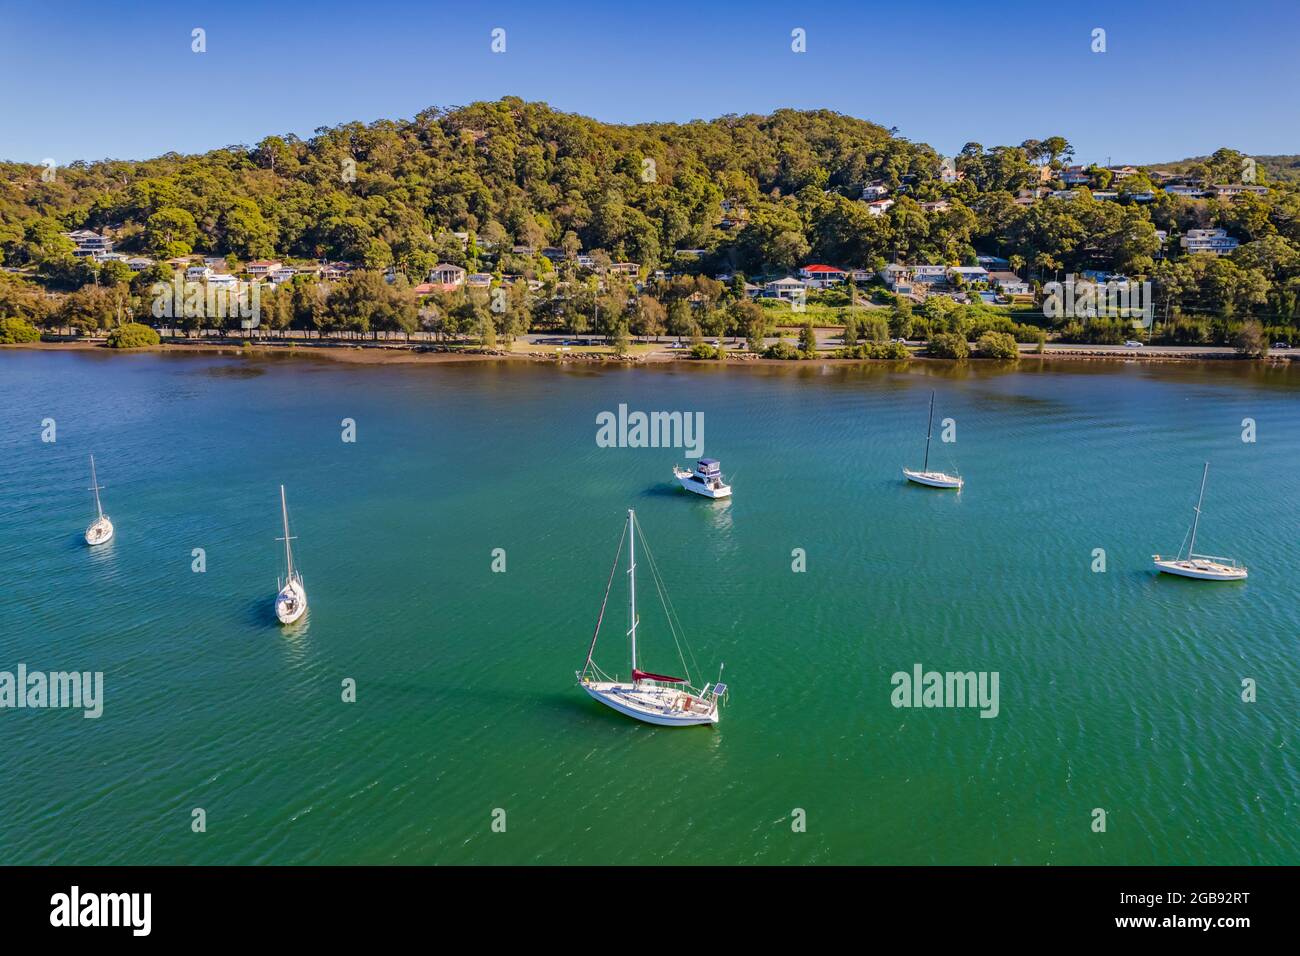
1133, 344
1281, 345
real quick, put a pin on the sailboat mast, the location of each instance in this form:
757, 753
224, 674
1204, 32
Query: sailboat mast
1191, 548
288, 554
928, 429
631, 582
94, 484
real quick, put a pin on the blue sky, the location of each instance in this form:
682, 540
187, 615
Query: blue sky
92, 80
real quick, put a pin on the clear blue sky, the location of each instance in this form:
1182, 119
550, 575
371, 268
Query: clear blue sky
92, 80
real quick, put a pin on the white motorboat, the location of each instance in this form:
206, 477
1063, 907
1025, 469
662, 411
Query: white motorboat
101, 529
1203, 567
291, 601
705, 480
652, 698
932, 479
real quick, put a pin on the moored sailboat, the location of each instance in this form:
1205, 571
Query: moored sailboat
1203, 567
932, 479
291, 601
653, 698
101, 529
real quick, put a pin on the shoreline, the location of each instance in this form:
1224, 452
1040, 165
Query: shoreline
402, 354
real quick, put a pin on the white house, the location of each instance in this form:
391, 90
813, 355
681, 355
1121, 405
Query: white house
139, 263
879, 207
1182, 189
787, 288
1009, 283
447, 275
261, 268
1215, 241
478, 280
875, 191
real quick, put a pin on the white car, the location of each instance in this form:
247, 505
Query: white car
1132, 344
1281, 345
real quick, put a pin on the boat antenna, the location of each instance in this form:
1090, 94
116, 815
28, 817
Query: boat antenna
609, 584
1191, 548
94, 486
928, 428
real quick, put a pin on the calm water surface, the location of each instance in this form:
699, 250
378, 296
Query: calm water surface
1119, 690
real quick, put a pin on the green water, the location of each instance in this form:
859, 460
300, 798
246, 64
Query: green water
1119, 690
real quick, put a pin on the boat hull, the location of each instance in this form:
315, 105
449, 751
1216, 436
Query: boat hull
290, 603
649, 704
100, 532
933, 479
1200, 570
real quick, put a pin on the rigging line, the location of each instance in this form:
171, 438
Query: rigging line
669, 613
609, 584
674, 620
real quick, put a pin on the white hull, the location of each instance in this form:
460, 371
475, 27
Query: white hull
100, 532
698, 487
666, 706
1200, 569
933, 479
291, 603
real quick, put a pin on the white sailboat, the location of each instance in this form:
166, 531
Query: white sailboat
101, 529
1204, 567
652, 698
291, 602
932, 479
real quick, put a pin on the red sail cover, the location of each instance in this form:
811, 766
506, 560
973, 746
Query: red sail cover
642, 675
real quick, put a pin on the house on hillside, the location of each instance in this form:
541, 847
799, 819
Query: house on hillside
1232, 190
1214, 241
1009, 283
968, 274
819, 276
788, 289
260, 268
447, 276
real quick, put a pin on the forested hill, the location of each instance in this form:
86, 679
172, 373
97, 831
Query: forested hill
490, 185
507, 171
1282, 169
